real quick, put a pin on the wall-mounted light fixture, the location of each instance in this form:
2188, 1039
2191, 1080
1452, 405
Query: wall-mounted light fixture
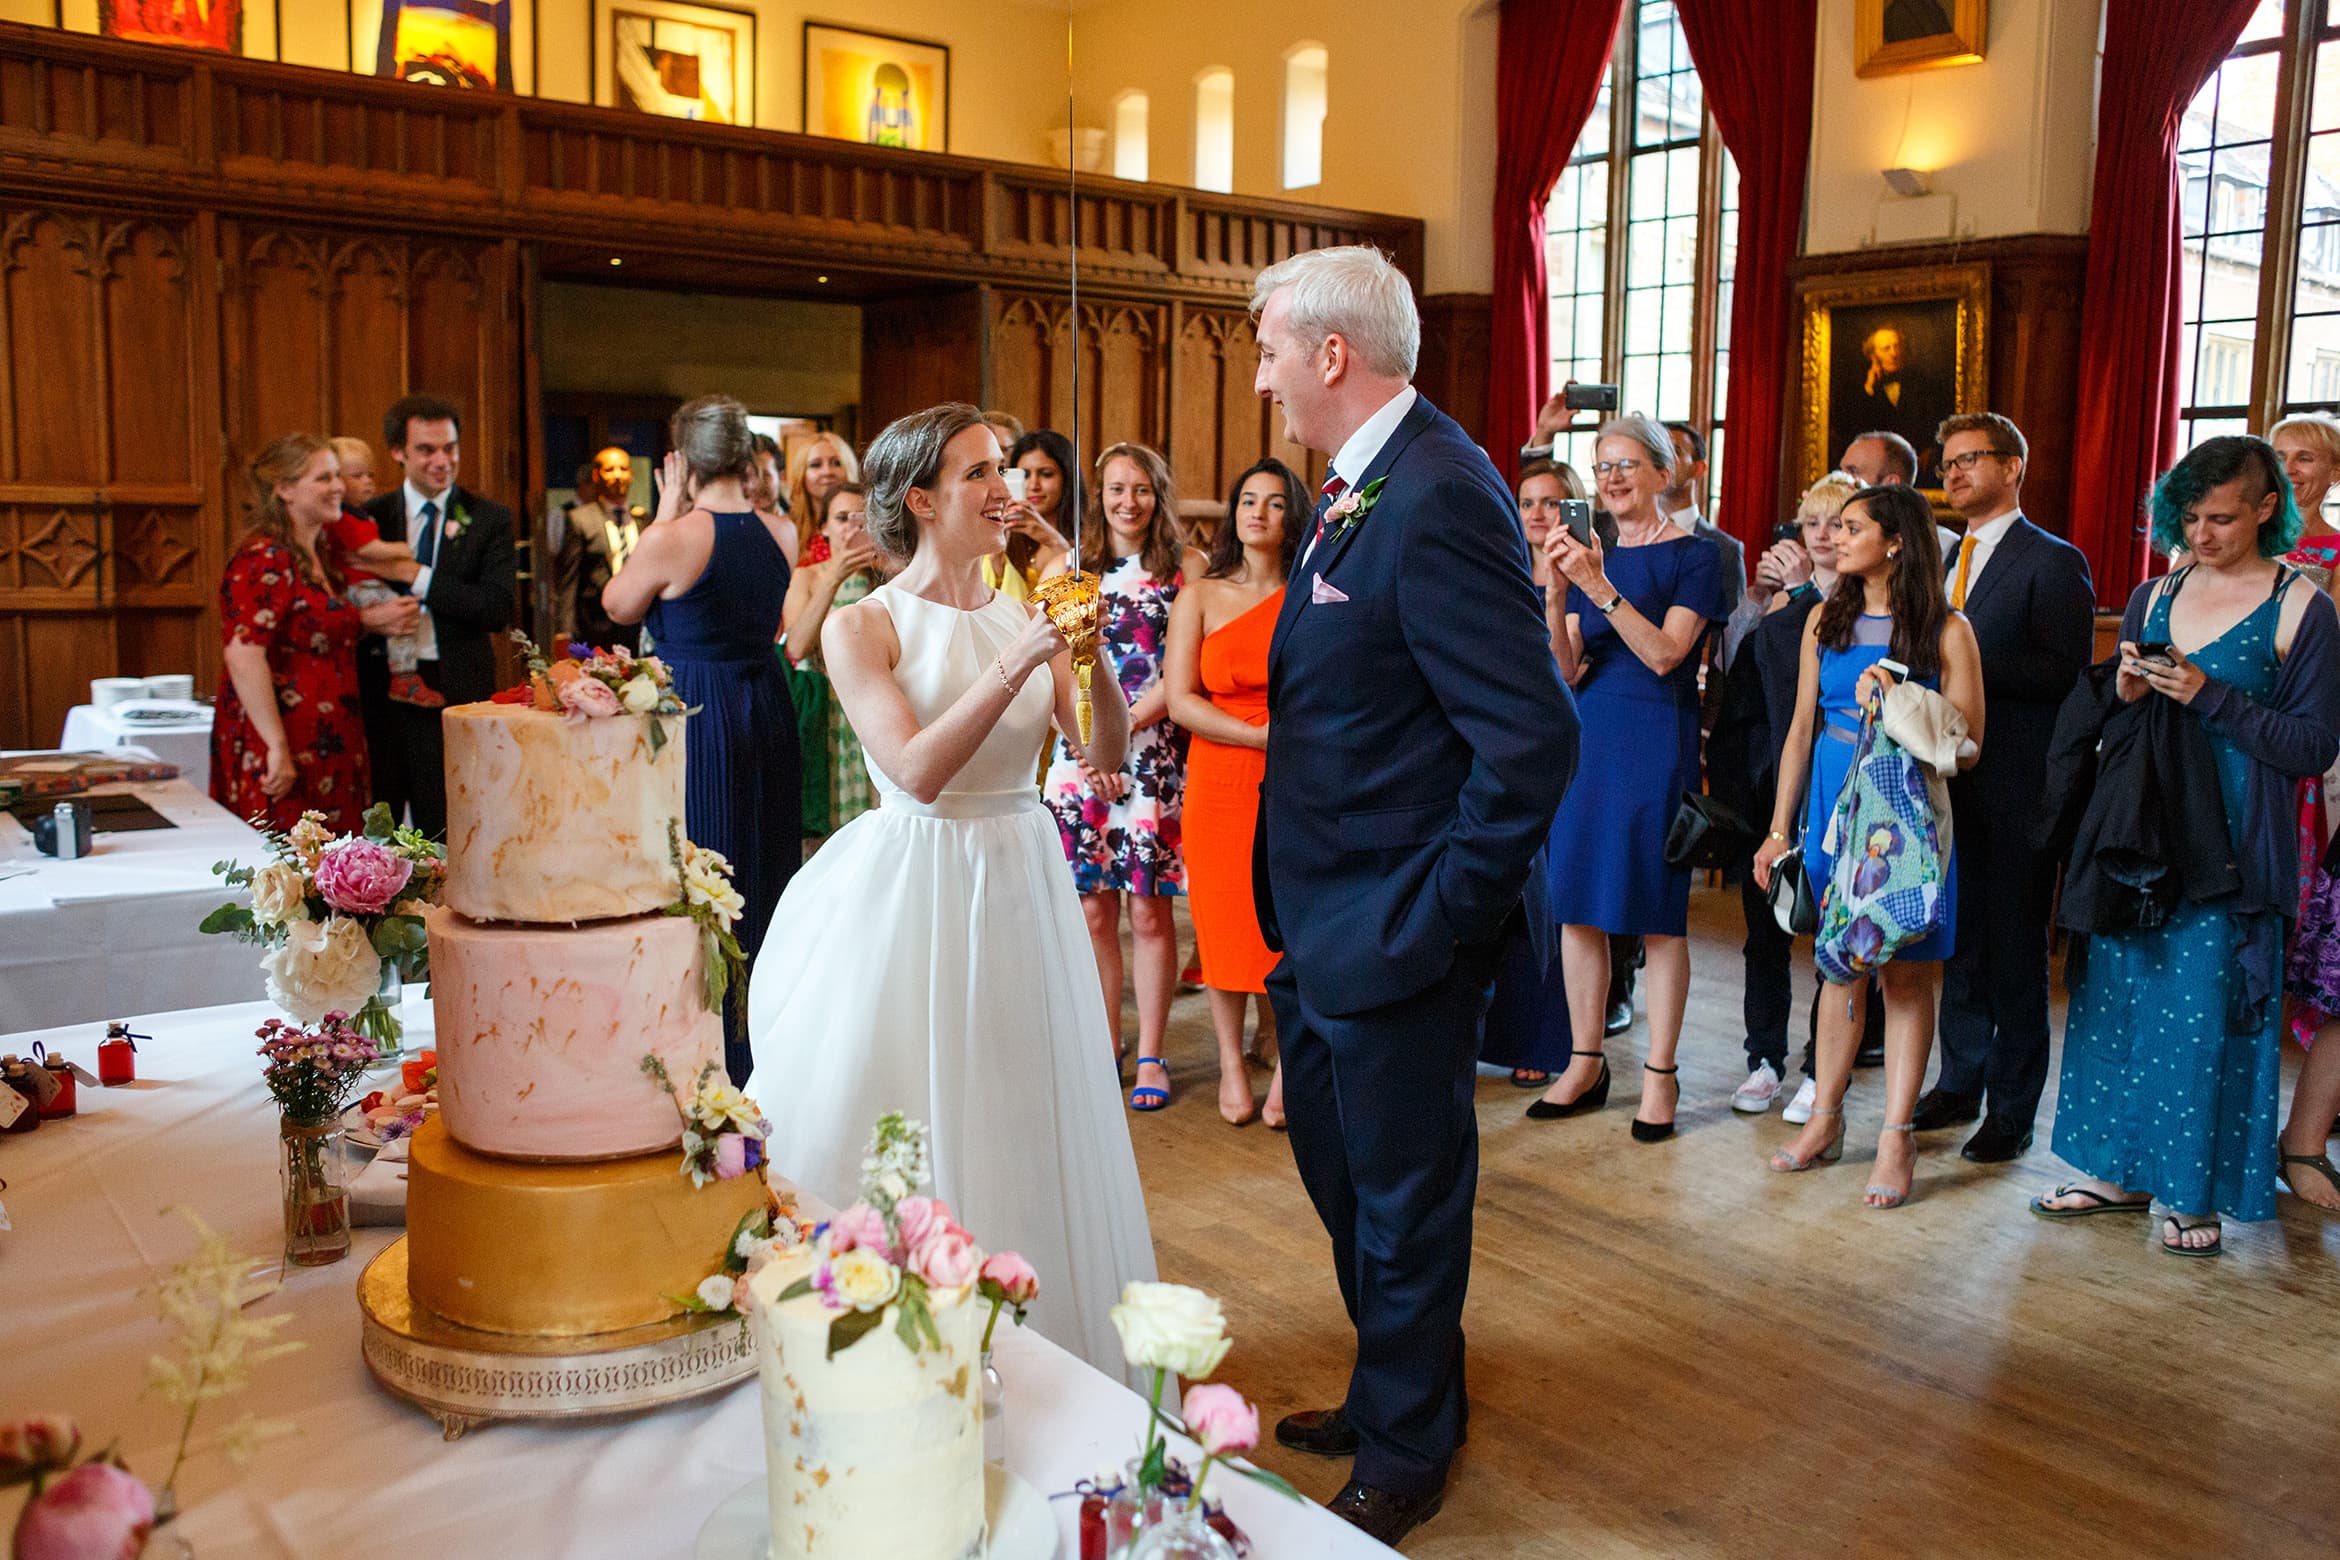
1909, 181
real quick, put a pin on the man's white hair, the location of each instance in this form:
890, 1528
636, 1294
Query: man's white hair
1354, 292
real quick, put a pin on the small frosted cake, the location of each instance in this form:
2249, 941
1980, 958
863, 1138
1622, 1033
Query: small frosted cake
876, 1449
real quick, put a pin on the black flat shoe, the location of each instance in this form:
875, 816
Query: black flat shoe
1939, 1108
1619, 1019
1998, 1141
1382, 1515
1658, 1131
1320, 1432
1591, 1099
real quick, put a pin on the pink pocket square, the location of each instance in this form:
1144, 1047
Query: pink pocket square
1323, 592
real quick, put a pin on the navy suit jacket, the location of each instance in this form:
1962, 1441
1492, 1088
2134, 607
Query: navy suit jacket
1419, 736
473, 587
2034, 616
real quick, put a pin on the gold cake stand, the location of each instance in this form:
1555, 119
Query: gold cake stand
462, 1377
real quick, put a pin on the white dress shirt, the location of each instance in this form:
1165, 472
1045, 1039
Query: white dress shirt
426, 632
1356, 457
1987, 537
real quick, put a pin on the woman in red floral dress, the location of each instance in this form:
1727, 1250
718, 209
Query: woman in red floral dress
287, 736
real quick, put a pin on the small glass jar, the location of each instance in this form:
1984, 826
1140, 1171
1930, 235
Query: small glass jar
316, 1192
1182, 1531
994, 1413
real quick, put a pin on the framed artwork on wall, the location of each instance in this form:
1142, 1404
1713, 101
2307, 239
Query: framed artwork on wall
675, 60
1892, 36
1895, 351
217, 26
876, 89
446, 43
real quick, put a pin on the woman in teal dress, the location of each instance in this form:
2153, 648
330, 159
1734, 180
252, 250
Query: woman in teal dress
2171, 1072
1888, 604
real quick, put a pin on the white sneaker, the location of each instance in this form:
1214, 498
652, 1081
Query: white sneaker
1756, 1095
1799, 1109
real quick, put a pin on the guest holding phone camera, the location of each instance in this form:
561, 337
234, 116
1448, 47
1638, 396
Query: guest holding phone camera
1888, 618
1628, 644
844, 566
1043, 492
2172, 1069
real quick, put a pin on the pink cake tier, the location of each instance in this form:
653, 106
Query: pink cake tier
553, 819
542, 1031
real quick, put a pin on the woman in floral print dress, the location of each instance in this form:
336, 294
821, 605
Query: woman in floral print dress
1120, 830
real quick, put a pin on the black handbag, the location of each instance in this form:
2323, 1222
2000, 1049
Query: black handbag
1708, 835
1793, 904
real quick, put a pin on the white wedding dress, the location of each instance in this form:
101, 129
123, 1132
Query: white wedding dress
932, 959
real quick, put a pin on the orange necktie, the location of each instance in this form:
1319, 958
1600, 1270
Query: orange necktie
1965, 562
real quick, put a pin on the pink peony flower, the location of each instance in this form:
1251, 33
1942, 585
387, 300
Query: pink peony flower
730, 1156
858, 1227
37, 1446
947, 1259
1014, 1276
1218, 1417
588, 698
96, 1512
360, 877
919, 1217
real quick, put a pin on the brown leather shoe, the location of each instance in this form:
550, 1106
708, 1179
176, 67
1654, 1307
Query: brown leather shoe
1320, 1432
1381, 1515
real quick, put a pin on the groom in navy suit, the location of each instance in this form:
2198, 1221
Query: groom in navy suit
1419, 741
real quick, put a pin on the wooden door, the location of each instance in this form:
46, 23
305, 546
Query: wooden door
109, 456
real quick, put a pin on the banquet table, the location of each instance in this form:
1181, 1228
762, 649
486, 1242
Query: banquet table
185, 742
113, 933
366, 1474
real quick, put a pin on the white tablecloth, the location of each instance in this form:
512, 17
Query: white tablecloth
369, 1475
113, 933
186, 743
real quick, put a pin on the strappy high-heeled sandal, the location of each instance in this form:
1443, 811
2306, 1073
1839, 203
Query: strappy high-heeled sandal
1658, 1131
1788, 1163
1145, 1096
1886, 1195
1591, 1099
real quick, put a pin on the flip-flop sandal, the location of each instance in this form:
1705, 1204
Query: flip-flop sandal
1145, 1096
1529, 1078
2101, 1204
2178, 1226
2319, 1163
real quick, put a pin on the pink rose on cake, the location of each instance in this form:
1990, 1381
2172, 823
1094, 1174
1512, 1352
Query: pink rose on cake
920, 1217
588, 698
360, 877
858, 1228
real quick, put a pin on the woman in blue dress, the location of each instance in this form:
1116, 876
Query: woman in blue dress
711, 581
1636, 615
1888, 604
2172, 1066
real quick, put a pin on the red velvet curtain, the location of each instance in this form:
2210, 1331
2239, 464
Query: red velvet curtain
2126, 428
1553, 54
1755, 59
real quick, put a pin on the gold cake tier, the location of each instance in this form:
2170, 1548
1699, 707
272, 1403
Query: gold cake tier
561, 1250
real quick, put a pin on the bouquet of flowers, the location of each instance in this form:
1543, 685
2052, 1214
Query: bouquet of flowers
1168, 1328
313, 1072
95, 1508
338, 915
590, 684
755, 1241
723, 1130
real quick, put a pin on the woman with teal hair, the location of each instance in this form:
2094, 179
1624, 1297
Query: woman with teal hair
2171, 1074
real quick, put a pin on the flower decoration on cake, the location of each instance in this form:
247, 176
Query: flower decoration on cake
590, 684
723, 1130
760, 1238
708, 898
332, 911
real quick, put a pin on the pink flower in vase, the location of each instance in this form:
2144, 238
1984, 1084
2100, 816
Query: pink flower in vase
948, 1259
1013, 1275
360, 877
1217, 1417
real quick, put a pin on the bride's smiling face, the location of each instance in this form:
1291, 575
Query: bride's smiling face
964, 512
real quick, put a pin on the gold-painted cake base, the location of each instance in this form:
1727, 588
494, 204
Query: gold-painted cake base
462, 1377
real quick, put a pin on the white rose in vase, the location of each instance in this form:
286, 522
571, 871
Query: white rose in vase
323, 967
280, 893
1171, 1327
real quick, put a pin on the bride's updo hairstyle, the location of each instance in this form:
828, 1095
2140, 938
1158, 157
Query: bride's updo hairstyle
712, 435
908, 455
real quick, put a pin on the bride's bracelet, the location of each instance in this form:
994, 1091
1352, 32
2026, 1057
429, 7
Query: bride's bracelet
1000, 666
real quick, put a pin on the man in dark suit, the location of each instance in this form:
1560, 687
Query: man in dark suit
2033, 608
1419, 742
466, 582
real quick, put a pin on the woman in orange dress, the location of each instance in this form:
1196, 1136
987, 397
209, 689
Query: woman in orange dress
1216, 673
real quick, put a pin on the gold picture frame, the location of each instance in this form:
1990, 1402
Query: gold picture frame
1854, 380
1893, 36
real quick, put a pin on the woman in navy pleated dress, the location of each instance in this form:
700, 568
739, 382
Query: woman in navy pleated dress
1636, 616
711, 582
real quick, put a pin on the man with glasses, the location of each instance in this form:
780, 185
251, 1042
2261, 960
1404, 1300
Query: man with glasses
2033, 608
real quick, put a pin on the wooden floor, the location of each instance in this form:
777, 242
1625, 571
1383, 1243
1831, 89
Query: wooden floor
1675, 1352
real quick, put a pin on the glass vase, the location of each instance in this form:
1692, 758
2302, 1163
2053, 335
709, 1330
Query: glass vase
316, 1192
1132, 1510
994, 1413
379, 1019
1182, 1531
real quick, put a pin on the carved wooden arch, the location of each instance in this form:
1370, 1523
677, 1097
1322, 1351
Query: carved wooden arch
79, 230
305, 255
389, 256
122, 237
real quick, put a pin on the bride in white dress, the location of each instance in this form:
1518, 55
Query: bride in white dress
931, 957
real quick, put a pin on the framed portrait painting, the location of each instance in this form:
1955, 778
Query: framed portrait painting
674, 60
217, 26
1892, 36
876, 89
1893, 352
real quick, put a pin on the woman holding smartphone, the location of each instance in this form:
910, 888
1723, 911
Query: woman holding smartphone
1035, 474
1887, 619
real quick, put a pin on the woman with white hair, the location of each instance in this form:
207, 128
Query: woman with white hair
1635, 618
936, 962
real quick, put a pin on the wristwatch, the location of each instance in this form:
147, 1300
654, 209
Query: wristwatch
1610, 606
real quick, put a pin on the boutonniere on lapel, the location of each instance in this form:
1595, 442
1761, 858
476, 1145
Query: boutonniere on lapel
1351, 508
457, 519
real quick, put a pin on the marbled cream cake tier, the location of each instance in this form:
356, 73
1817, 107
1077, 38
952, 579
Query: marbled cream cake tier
557, 820
878, 1450
542, 1031
561, 1250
